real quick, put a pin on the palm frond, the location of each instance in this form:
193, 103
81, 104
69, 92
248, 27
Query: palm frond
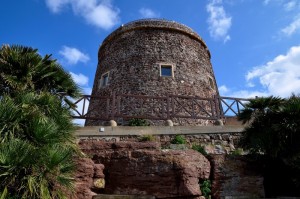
4, 193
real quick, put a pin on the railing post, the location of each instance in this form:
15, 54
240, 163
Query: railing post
83, 107
193, 107
237, 106
217, 107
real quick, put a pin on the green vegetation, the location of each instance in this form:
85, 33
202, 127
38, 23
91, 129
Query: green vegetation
205, 187
274, 126
273, 131
146, 138
200, 149
138, 122
36, 131
23, 69
238, 151
178, 139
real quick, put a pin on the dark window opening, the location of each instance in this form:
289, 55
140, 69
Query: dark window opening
104, 80
166, 70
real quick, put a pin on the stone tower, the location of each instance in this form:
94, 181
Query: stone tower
153, 57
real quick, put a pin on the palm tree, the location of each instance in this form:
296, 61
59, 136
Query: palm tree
273, 132
33, 172
37, 143
259, 134
36, 146
273, 126
24, 69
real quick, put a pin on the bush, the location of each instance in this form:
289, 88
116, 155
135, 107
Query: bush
145, 138
205, 187
138, 122
200, 149
179, 139
237, 151
273, 131
36, 147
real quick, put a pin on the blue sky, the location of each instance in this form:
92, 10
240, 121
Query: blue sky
255, 44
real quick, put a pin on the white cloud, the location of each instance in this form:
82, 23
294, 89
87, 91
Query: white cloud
148, 13
73, 55
290, 5
266, 2
56, 5
219, 22
292, 27
80, 79
223, 90
281, 76
250, 84
248, 94
99, 13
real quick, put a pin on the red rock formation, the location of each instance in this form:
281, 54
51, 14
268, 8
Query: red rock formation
86, 173
141, 168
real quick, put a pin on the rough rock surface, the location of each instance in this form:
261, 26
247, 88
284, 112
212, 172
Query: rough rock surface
86, 173
141, 168
236, 176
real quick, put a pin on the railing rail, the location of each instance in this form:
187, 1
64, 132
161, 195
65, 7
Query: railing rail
156, 107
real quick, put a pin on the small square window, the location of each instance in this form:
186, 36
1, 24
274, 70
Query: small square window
104, 80
166, 70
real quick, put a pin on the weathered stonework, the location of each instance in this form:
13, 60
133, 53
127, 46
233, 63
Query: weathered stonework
236, 177
132, 55
143, 168
214, 143
136, 168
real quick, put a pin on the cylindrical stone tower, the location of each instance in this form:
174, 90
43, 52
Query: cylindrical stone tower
153, 57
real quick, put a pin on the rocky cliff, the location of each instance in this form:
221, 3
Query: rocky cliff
140, 168
143, 168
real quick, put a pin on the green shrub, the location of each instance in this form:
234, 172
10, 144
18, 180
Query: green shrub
138, 122
145, 138
238, 151
199, 148
179, 139
205, 187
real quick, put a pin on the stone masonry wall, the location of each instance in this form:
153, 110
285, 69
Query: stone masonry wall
132, 56
215, 143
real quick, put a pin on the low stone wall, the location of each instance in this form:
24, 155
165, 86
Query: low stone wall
214, 143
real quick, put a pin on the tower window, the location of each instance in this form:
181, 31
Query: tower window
166, 70
104, 80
